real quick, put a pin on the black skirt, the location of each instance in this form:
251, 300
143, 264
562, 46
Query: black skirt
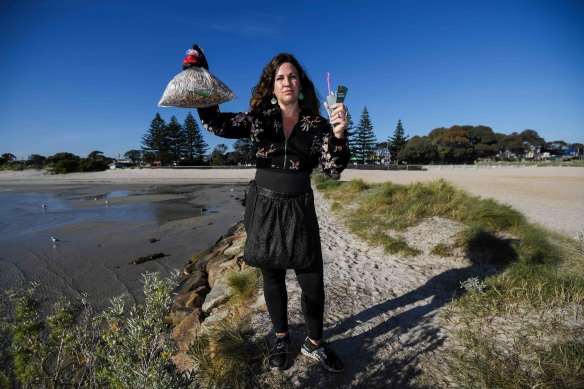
282, 229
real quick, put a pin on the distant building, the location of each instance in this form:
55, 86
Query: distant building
116, 165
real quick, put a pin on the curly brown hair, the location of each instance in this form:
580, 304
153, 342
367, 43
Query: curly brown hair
262, 93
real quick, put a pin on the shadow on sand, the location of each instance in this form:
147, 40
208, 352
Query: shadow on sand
386, 355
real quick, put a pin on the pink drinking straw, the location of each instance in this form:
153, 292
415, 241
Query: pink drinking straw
328, 82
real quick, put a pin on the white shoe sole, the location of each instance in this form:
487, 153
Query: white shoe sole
311, 356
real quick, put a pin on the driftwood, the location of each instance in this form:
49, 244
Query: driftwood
148, 258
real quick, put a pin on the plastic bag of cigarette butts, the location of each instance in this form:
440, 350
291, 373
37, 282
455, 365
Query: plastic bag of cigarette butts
195, 86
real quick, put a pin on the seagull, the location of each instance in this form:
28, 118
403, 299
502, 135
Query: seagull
55, 240
45, 206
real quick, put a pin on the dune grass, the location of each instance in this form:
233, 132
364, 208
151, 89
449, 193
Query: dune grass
243, 284
523, 327
224, 357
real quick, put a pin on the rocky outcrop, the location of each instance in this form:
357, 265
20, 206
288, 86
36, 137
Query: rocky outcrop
200, 299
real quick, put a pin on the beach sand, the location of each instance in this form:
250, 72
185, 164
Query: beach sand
381, 309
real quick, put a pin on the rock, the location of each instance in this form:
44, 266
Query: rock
203, 291
195, 280
217, 260
187, 330
234, 250
216, 317
260, 303
190, 299
217, 271
218, 295
195, 300
177, 315
189, 268
183, 362
180, 301
201, 264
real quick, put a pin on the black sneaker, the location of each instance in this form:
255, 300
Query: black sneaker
323, 354
278, 359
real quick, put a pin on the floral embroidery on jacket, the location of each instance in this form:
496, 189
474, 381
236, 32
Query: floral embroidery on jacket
294, 165
256, 130
263, 153
239, 119
311, 142
307, 123
315, 146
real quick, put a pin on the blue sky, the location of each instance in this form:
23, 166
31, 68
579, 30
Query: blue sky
84, 75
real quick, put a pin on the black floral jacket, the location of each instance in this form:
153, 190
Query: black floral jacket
312, 139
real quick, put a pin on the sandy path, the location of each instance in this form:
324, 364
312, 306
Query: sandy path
380, 309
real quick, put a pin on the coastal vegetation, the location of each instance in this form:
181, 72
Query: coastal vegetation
126, 346
519, 327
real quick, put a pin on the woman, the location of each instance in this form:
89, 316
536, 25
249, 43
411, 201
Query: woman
290, 139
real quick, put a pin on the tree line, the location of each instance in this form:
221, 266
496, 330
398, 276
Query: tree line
176, 144
453, 145
163, 144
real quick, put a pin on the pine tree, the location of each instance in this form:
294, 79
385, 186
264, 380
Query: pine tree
398, 141
364, 140
177, 140
155, 142
350, 125
196, 146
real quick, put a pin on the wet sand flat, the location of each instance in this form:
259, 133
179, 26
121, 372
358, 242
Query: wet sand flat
102, 229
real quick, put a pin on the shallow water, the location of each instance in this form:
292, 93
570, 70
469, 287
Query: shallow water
98, 241
23, 217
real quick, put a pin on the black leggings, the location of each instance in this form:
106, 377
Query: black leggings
310, 279
312, 299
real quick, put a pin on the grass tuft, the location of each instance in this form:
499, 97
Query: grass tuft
243, 284
441, 250
224, 357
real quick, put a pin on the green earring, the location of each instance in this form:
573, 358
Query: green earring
274, 101
300, 96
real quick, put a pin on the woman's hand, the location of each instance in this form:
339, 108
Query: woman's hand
338, 119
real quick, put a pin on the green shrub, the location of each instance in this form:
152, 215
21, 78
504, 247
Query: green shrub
123, 347
13, 165
66, 166
91, 165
